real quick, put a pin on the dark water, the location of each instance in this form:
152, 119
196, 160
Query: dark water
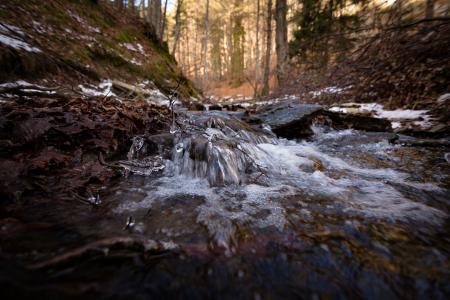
343, 215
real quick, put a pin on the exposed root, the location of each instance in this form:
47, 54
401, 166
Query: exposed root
103, 247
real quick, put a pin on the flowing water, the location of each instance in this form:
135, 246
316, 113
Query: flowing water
344, 214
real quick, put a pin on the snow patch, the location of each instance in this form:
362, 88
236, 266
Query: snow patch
103, 89
444, 97
329, 90
83, 22
418, 117
136, 62
135, 48
9, 36
19, 83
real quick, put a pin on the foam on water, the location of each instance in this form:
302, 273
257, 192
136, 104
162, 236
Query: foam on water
243, 179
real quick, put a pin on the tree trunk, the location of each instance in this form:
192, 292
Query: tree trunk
131, 5
429, 10
281, 39
265, 90
205, 46
142, 9
163, 25
195, 52
257, 49
229, 43
238, 44
177, 26
118, 3
154, 17
188, 58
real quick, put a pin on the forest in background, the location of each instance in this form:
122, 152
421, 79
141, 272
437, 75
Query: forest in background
252, 47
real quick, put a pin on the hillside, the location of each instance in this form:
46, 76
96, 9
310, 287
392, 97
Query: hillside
68, 43
78, 80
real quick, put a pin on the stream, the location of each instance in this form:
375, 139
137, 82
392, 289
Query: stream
241, 213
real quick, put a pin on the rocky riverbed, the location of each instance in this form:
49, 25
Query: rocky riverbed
286, 201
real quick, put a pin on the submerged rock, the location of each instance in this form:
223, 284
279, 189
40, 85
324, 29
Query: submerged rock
288, 119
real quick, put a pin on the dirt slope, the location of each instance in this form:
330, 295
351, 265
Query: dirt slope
82, 41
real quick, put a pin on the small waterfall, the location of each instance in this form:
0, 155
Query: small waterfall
241, 177
223, 151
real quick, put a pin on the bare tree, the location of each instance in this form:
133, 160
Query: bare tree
177, 26
131, 4
163, 25
429, 9
154, 17
118, 3
257, 49
205, 47
141, 9
265, 90
281, 38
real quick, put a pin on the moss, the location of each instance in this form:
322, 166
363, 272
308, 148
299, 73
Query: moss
164, 52
124, 36
55, 14
107, 56
84, 52
94, 14
3, 14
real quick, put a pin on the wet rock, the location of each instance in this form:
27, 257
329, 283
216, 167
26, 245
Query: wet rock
358, 121
149, 166
420, 142
215, 107
439, 130
233, 107
163, 139
288, 119
198, 149
195, 106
